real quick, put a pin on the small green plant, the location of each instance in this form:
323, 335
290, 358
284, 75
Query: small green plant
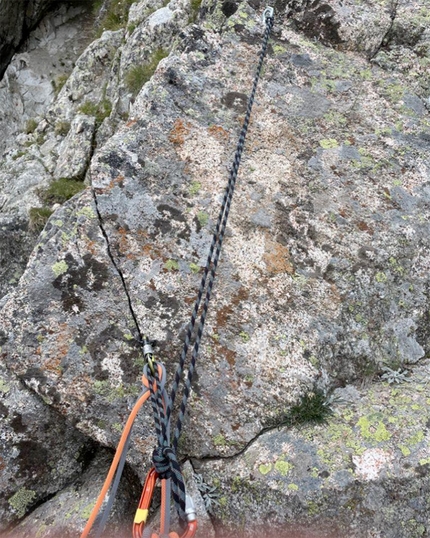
194, 188
219, 440
314, 407
60, 191
100, 110
245, 336
30, 126
62, 128
116, 15
18, 155
195, 7
59, 82
38, 217
138, 75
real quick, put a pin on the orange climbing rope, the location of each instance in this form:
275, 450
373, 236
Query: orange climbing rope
114, 465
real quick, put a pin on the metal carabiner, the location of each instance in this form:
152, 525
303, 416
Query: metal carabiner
145, 503
267, 14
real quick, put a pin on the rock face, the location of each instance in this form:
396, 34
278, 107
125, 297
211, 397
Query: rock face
322, 289
16, 19
40, 451
31, 83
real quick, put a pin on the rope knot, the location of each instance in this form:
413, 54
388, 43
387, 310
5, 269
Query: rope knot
162, 458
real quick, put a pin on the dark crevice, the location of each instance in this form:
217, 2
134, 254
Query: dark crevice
385, 40
116, 266
241, 451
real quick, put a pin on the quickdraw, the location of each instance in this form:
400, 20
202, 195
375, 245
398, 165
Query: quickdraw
165, 465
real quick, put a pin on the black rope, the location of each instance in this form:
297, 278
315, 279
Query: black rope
165, 455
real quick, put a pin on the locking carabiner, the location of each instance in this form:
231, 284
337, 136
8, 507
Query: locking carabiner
145, 503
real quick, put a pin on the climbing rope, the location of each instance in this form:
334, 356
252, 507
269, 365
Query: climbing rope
165, 463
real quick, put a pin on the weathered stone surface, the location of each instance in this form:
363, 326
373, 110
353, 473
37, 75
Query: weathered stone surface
67, 513
16, 19
323, 279
18, 183
40, 451
88, 82
365, 473
350, 24
36, 72
27, 89
75, 151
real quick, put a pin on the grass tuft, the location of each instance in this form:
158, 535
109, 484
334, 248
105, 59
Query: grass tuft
60, 191
38, 217
100, 110
62, 128
115, 16
313, 408
195, 8
138, 75
30, 126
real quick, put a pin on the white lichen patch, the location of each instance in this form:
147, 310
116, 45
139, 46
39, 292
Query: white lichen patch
370, 464
112, 365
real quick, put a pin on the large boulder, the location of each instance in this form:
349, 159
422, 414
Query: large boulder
323, 280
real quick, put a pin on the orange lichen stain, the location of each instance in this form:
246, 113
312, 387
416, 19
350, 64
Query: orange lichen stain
92, 247
53, 362
151, 251
222, 352
223, 314
179, 131
53, 365
277, 258
364, 227
218, 132
118, 181
124, 244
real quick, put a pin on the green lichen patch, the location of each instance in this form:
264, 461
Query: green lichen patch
194, 267
283, 467
265, 468
59, 268
171, 265
373, 428
203, 218
21, 500
329, 143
